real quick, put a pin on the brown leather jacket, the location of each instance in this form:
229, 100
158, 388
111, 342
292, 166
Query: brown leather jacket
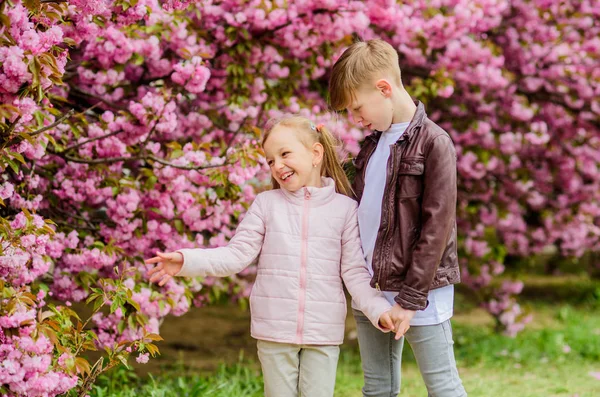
415, 250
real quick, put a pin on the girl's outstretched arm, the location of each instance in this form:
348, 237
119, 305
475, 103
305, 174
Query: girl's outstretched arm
240, 252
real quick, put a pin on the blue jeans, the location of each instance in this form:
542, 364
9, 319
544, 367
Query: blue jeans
381, 357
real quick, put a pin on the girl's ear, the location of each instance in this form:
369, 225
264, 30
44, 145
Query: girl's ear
317, 151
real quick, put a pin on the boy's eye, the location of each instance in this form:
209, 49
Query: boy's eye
284, 154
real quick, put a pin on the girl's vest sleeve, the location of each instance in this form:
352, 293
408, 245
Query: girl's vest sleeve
356, 275
240, 252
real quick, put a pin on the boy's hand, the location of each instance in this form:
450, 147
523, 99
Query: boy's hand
169, 264
401, 318
385, 321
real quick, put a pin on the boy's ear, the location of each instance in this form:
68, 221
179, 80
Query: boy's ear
318, 151
384, 87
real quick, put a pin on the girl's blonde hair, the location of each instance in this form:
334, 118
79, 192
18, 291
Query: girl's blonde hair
310, 134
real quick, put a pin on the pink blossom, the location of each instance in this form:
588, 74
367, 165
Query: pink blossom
6, 190
19, 222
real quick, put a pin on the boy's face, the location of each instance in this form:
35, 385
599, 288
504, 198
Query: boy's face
372, 106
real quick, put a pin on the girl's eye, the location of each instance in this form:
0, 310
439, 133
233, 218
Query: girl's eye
270, 163
284, 154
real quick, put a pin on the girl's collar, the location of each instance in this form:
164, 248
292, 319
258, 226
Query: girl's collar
315, 196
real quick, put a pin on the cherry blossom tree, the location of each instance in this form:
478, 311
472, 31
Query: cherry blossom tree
132, 126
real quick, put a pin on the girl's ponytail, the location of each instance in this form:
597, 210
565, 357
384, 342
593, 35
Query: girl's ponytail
332, 166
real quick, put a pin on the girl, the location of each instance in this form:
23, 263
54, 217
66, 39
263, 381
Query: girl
305, 233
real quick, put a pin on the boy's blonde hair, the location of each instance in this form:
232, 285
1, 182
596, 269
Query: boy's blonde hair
361, 62
308, 135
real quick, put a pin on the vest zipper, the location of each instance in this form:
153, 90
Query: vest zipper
303, 260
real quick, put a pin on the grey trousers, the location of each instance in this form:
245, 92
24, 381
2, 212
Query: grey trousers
298, 370
381, 357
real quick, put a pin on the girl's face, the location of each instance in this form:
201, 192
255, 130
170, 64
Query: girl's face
290, 161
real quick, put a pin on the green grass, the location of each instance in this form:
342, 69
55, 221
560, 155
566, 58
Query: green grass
491, 380
241, 379
554, 356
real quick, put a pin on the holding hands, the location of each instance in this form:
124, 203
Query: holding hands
168, 265
397, 320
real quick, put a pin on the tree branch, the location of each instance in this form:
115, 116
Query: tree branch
106, 101
19, 139
110, 160
12, 126
57, 122
187, 167
107, 160
90, 140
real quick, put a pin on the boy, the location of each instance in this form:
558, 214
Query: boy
405, 184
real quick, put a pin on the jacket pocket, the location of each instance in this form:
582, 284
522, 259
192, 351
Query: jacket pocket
410, 178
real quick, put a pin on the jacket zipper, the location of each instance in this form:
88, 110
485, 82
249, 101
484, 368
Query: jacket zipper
387, 230
303, 260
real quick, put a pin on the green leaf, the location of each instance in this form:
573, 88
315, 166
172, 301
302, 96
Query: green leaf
131, 322
153, 337
69, 41
114, 306
32, 5
98, 303
150, 182
39, 117
13, 165
121, 326
18, 156
134, 304
123, 360
91, 298
98, 244
178, 223
141, 319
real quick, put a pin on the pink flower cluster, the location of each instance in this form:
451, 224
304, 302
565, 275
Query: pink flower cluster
24, 252
25, 367
192, 75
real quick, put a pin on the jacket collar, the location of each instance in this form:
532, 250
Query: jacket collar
415, 123
317, 195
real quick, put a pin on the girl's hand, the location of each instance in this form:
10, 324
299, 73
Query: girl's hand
401, 318
386, 322
169, 264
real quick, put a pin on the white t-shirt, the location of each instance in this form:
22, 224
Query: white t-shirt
441, 300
